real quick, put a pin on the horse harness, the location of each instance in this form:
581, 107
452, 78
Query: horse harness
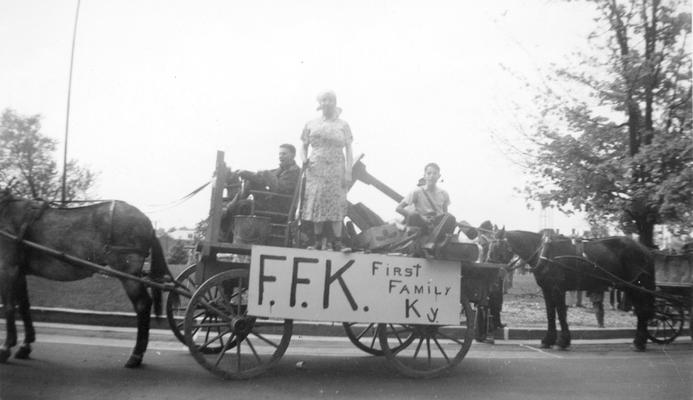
581, 255
109, 248
36, 213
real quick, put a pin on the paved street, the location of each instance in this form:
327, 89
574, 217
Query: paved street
86, 364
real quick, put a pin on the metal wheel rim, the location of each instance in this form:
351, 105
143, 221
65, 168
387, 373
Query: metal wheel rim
176, 305
243, 354
366, 338
667, 323
434, 350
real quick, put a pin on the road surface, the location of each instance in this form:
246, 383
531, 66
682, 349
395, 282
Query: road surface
85, 364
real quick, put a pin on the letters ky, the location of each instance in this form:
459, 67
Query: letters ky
410, 308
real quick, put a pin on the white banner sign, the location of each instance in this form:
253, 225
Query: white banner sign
314, 285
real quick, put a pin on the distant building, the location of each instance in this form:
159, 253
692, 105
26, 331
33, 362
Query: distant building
183, 234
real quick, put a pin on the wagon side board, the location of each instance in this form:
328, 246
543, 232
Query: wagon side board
352, 287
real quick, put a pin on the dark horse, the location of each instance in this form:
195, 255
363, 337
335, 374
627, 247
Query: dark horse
110, 233
560, 265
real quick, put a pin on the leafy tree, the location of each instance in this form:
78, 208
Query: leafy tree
27, 156
178, 254
614, 137
201, 229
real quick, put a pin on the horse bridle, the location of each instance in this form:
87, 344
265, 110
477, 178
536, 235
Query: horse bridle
527, 261
510, 265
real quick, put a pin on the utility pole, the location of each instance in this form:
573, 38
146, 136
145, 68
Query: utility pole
69, 92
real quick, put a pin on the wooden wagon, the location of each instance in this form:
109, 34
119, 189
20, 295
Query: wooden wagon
245, 295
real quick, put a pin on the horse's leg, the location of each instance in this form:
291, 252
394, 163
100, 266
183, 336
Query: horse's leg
481, 317
562, 311
550, 337
142, 304
8, 276
644, 310
24, 309
599, 312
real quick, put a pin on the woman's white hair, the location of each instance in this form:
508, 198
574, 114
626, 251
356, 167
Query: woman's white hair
326, 93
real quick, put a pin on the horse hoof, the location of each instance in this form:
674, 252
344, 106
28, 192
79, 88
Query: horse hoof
638, 348
22, 353
563, 344
4, 355
134, 361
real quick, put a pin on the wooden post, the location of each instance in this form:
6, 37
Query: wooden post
358, 171
216, 203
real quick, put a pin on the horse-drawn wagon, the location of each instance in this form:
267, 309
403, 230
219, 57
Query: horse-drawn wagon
245, 295
235, 307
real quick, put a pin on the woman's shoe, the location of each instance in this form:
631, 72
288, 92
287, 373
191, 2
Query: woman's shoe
338, 246
316, 246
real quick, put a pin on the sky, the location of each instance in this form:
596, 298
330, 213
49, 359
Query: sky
158, 87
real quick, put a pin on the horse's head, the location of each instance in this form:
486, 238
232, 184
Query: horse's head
525, 244
495, 247
499, 234
499, 251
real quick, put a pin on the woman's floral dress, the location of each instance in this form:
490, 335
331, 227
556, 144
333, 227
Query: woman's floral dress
325, 195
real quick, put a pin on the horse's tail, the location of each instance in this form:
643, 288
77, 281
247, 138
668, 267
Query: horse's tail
159, 271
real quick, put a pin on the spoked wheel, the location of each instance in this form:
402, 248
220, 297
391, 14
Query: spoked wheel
667, 322
365, 336
434, 349
176, 304
243, 346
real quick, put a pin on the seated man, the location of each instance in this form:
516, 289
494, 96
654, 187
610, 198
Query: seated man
279, 180
426, 209
427, 201
282, 180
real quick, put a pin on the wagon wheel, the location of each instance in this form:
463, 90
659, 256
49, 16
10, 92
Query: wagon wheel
434, 349
667, 323
176, 304
365, 337
249, 345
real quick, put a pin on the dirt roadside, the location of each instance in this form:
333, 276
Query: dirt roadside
523, 305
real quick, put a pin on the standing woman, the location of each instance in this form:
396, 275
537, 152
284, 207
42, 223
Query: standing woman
328, 170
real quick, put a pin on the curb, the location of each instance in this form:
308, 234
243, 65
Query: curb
306, 328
